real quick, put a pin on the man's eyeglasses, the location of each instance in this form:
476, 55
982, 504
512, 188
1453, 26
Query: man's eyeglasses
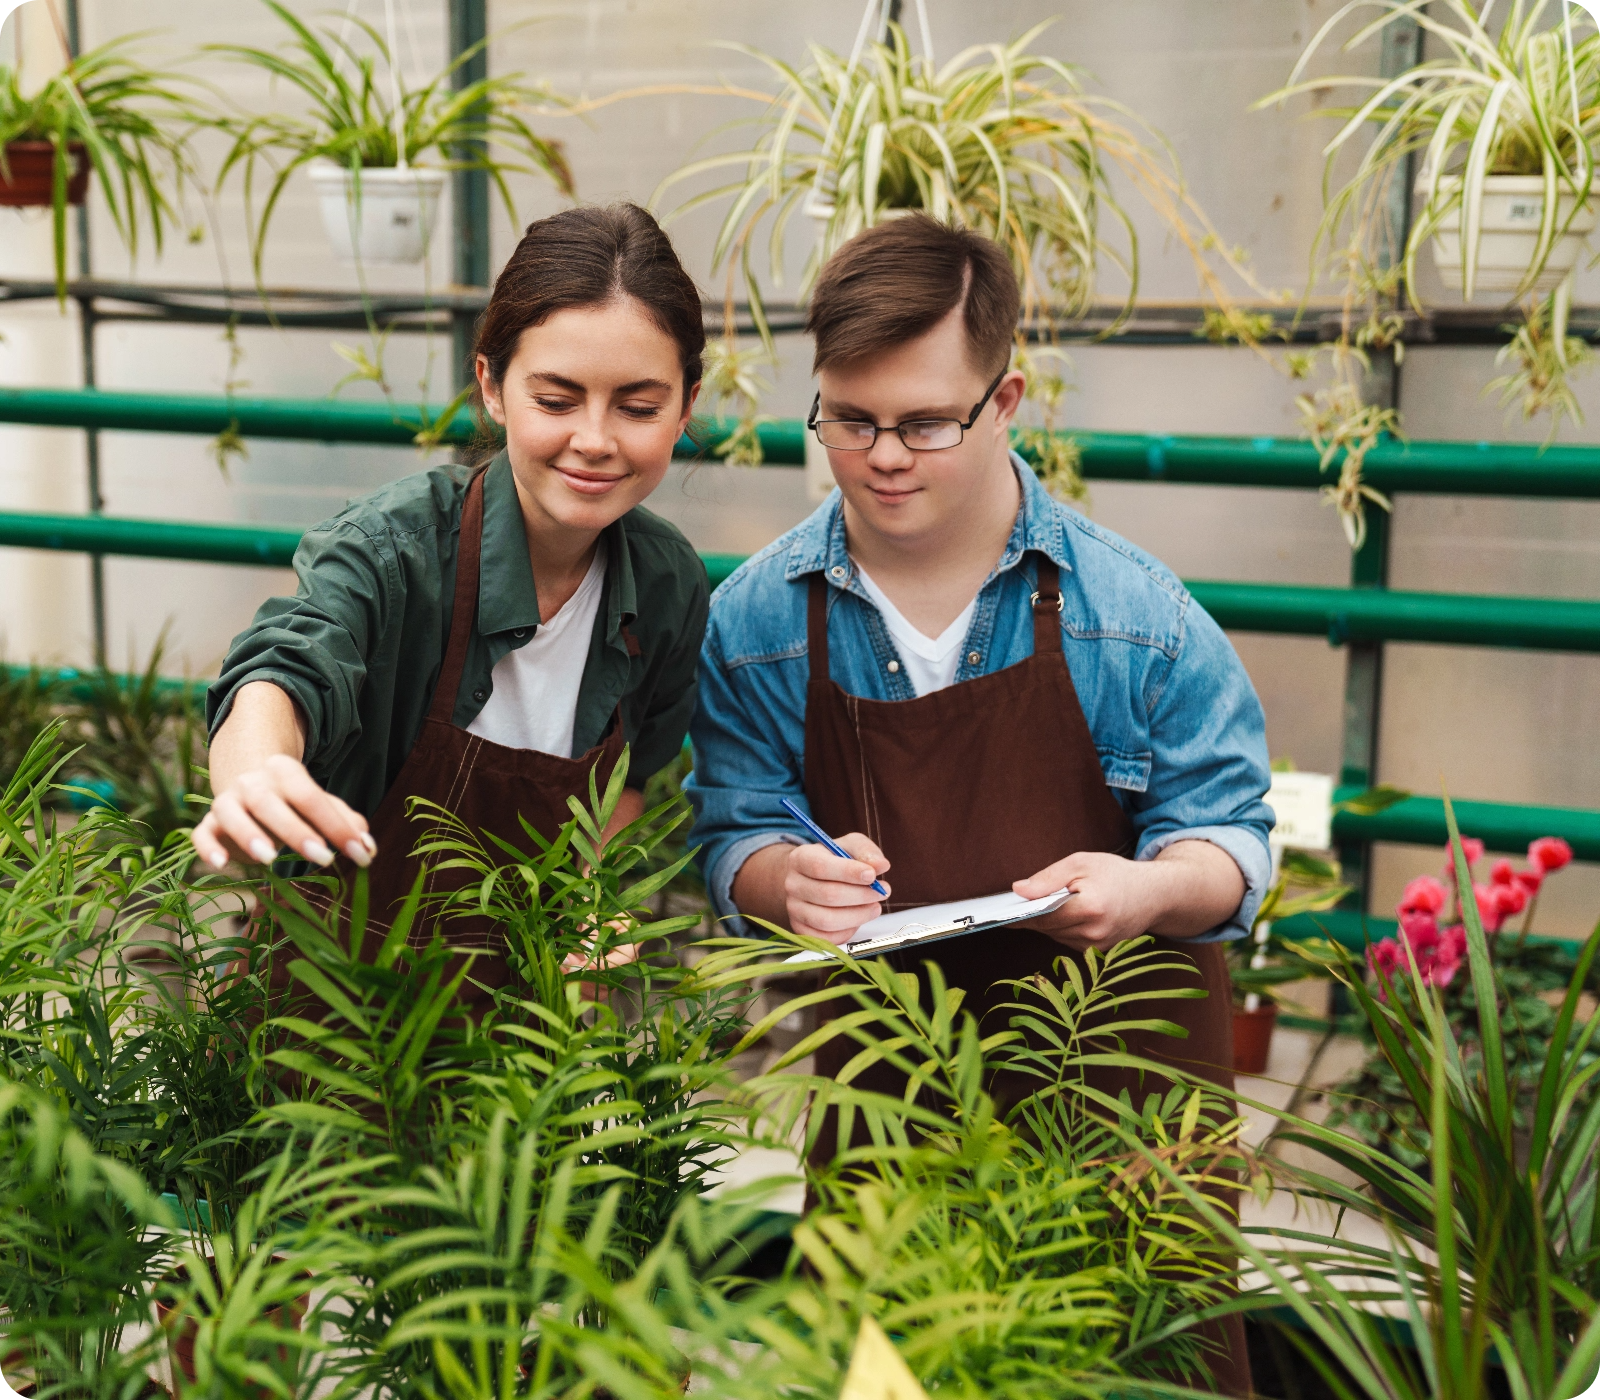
920, 435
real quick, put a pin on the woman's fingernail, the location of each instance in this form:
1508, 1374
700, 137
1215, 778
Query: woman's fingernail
263, 850
369, 843
217, 859
314, 850
358, 852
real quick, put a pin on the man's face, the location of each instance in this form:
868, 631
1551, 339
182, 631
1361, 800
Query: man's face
891, 490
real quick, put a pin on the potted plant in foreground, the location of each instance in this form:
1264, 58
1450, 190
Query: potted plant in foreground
368, 136
103, 117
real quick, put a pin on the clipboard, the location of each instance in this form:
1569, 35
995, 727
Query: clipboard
933, 923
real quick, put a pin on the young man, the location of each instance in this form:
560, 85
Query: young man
973, 687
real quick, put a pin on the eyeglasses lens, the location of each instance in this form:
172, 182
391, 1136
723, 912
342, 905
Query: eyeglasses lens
931, 434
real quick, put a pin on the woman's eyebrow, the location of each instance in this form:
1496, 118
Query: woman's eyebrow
560, 381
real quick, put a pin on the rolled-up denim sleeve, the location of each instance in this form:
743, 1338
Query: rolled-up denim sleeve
1209, 769
747, 736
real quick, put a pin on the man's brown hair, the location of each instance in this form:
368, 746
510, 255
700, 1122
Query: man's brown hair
899, 279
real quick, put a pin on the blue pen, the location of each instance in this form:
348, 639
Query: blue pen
828, 841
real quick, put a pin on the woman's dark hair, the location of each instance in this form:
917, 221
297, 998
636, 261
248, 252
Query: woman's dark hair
583, 257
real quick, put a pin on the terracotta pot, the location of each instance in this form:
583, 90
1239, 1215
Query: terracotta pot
1252, 1037
181, 1332
33, 171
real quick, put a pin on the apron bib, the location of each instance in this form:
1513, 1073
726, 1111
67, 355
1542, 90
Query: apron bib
970, 788
487, 785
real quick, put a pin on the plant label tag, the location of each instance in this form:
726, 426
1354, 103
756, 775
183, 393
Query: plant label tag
1524, 211
7, 6
1303, 805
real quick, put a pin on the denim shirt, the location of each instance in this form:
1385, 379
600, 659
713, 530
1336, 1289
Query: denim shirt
1175, 720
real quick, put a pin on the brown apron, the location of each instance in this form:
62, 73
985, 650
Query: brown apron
486, 785
973, 787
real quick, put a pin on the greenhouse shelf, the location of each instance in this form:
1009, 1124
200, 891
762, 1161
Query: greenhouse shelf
1440, 468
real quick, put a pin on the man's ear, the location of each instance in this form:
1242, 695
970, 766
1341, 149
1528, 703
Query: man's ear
492, 402
1008, 399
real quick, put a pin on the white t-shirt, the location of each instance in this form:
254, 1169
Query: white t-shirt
534, 703
931, 662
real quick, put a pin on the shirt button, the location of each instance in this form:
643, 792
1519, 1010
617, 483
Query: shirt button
520, 633
894, 668
973, 658
837, 571
480, 695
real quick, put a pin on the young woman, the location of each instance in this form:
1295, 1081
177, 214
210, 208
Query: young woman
487, 639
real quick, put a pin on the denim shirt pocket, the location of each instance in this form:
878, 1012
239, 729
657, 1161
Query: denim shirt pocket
1125, 770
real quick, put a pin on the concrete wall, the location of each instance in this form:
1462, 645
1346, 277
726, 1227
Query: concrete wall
1501, 725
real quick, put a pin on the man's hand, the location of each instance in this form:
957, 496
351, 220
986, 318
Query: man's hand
1188, 889
809, 890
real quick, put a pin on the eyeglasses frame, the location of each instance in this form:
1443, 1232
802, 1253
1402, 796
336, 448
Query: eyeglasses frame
813, 422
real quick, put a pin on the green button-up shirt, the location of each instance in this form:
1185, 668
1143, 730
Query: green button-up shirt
361, 643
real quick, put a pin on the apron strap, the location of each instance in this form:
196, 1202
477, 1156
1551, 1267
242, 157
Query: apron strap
817, 627
464, 612
1047, 605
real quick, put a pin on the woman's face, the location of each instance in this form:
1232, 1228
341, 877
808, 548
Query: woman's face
592, 404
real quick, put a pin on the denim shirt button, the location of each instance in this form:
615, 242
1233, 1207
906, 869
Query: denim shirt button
837, 571
973, 658
894, 668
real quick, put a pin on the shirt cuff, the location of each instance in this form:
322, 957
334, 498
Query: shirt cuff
1249, 853
723, 873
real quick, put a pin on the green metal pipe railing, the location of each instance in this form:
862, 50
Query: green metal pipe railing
312, 420
1390, 615
1340, 614
1449, 468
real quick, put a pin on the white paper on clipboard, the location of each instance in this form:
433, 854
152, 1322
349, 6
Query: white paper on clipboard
932, 923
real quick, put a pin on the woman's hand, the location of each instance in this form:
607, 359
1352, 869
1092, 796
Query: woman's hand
279, 805
265, 799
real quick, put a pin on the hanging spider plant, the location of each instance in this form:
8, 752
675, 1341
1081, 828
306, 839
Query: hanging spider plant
1519, 106
107, 118
362, 115
999, 139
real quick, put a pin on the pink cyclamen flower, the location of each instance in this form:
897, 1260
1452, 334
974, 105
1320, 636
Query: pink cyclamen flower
1501, 873
1449, 956
1530, 880
1509, 899
1424, 895
1549, 853
1471, 847
1385, 956
1489, 910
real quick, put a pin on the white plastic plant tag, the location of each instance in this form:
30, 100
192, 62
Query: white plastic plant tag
8, 6
1303, 804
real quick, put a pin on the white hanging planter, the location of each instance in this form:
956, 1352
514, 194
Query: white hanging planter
390, 219
1513, 206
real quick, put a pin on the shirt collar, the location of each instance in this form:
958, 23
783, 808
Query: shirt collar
819, 543
507, 598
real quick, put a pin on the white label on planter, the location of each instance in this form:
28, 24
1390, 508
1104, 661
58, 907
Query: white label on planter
1524, 211
1303, 804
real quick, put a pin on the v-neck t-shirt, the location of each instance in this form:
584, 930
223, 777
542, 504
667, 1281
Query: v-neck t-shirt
533, 700
930, 662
